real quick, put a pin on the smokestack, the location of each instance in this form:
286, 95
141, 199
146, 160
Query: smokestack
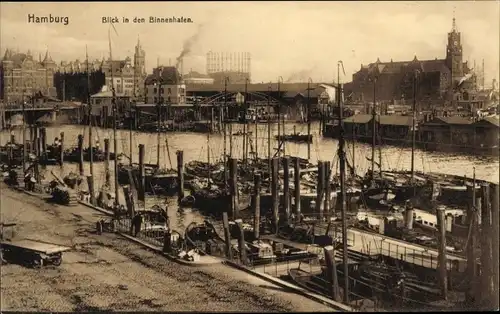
158, 62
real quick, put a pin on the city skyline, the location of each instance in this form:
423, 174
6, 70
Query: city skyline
293, 39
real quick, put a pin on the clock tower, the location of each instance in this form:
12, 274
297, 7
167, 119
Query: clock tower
454, 54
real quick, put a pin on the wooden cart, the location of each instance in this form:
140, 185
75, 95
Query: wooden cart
32, 253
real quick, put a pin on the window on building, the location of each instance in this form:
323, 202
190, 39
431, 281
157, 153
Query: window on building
169, 91
154, 99
181, 91
154, 90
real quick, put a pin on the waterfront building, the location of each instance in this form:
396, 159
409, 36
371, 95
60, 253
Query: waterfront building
127, 77
21, 76
165, 85
196, 78
449, 79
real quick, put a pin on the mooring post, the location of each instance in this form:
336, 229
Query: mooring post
90, 182
36, 168
443, 273
241, 244
494, 193
486, 256
275, 192
61, 150
319, 189
409, 216
80, 152
286, 188
34, 144
107, 173
137, 117
327, 187
256, 205
227, 236
329, 252
142, 175
472, 221
296, 178
180, 174
43, 132
106, 117
233, 168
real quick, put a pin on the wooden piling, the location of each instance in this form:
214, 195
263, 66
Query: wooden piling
233, 168
61, 150
43, 135
180, 174
327, 187
142, 175
129, 201
36, 167
286, 188
137, 118
329, 253
90, 182
241, 244
106, 117
227, 236
443, 272
107, 172
256, 205
486, 241
319, 189
495, 193
472, 221
80, 152
275, 192
35, 144
297, 188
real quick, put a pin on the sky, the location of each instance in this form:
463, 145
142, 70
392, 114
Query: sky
298, 40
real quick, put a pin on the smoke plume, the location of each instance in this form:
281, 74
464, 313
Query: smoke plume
188, 44
300, 76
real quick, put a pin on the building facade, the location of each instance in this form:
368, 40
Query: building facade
22, 76
448, 79
165, 86
127, 76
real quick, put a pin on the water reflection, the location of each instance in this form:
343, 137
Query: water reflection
195, 148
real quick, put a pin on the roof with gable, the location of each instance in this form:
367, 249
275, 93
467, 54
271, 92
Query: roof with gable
436, 65
395, 120
492, 120
358, 119
450, 120
168, 75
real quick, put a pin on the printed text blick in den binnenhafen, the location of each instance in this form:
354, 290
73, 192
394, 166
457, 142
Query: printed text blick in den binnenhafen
32, 18
152, 19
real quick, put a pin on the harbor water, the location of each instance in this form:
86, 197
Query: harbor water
196, 146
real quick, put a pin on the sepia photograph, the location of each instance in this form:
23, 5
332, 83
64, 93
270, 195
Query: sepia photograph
254, 156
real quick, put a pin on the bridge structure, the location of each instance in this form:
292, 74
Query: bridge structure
33, 112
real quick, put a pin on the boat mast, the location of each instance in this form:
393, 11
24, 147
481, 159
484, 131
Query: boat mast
245, 124
413, 132
374, 130
282, 124
308, 119
115, 141
25, 154
91, 149
269, 128
158, 123
130, 115
342, 162
225, 135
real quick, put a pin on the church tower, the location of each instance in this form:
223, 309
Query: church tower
139, 68
454, 54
